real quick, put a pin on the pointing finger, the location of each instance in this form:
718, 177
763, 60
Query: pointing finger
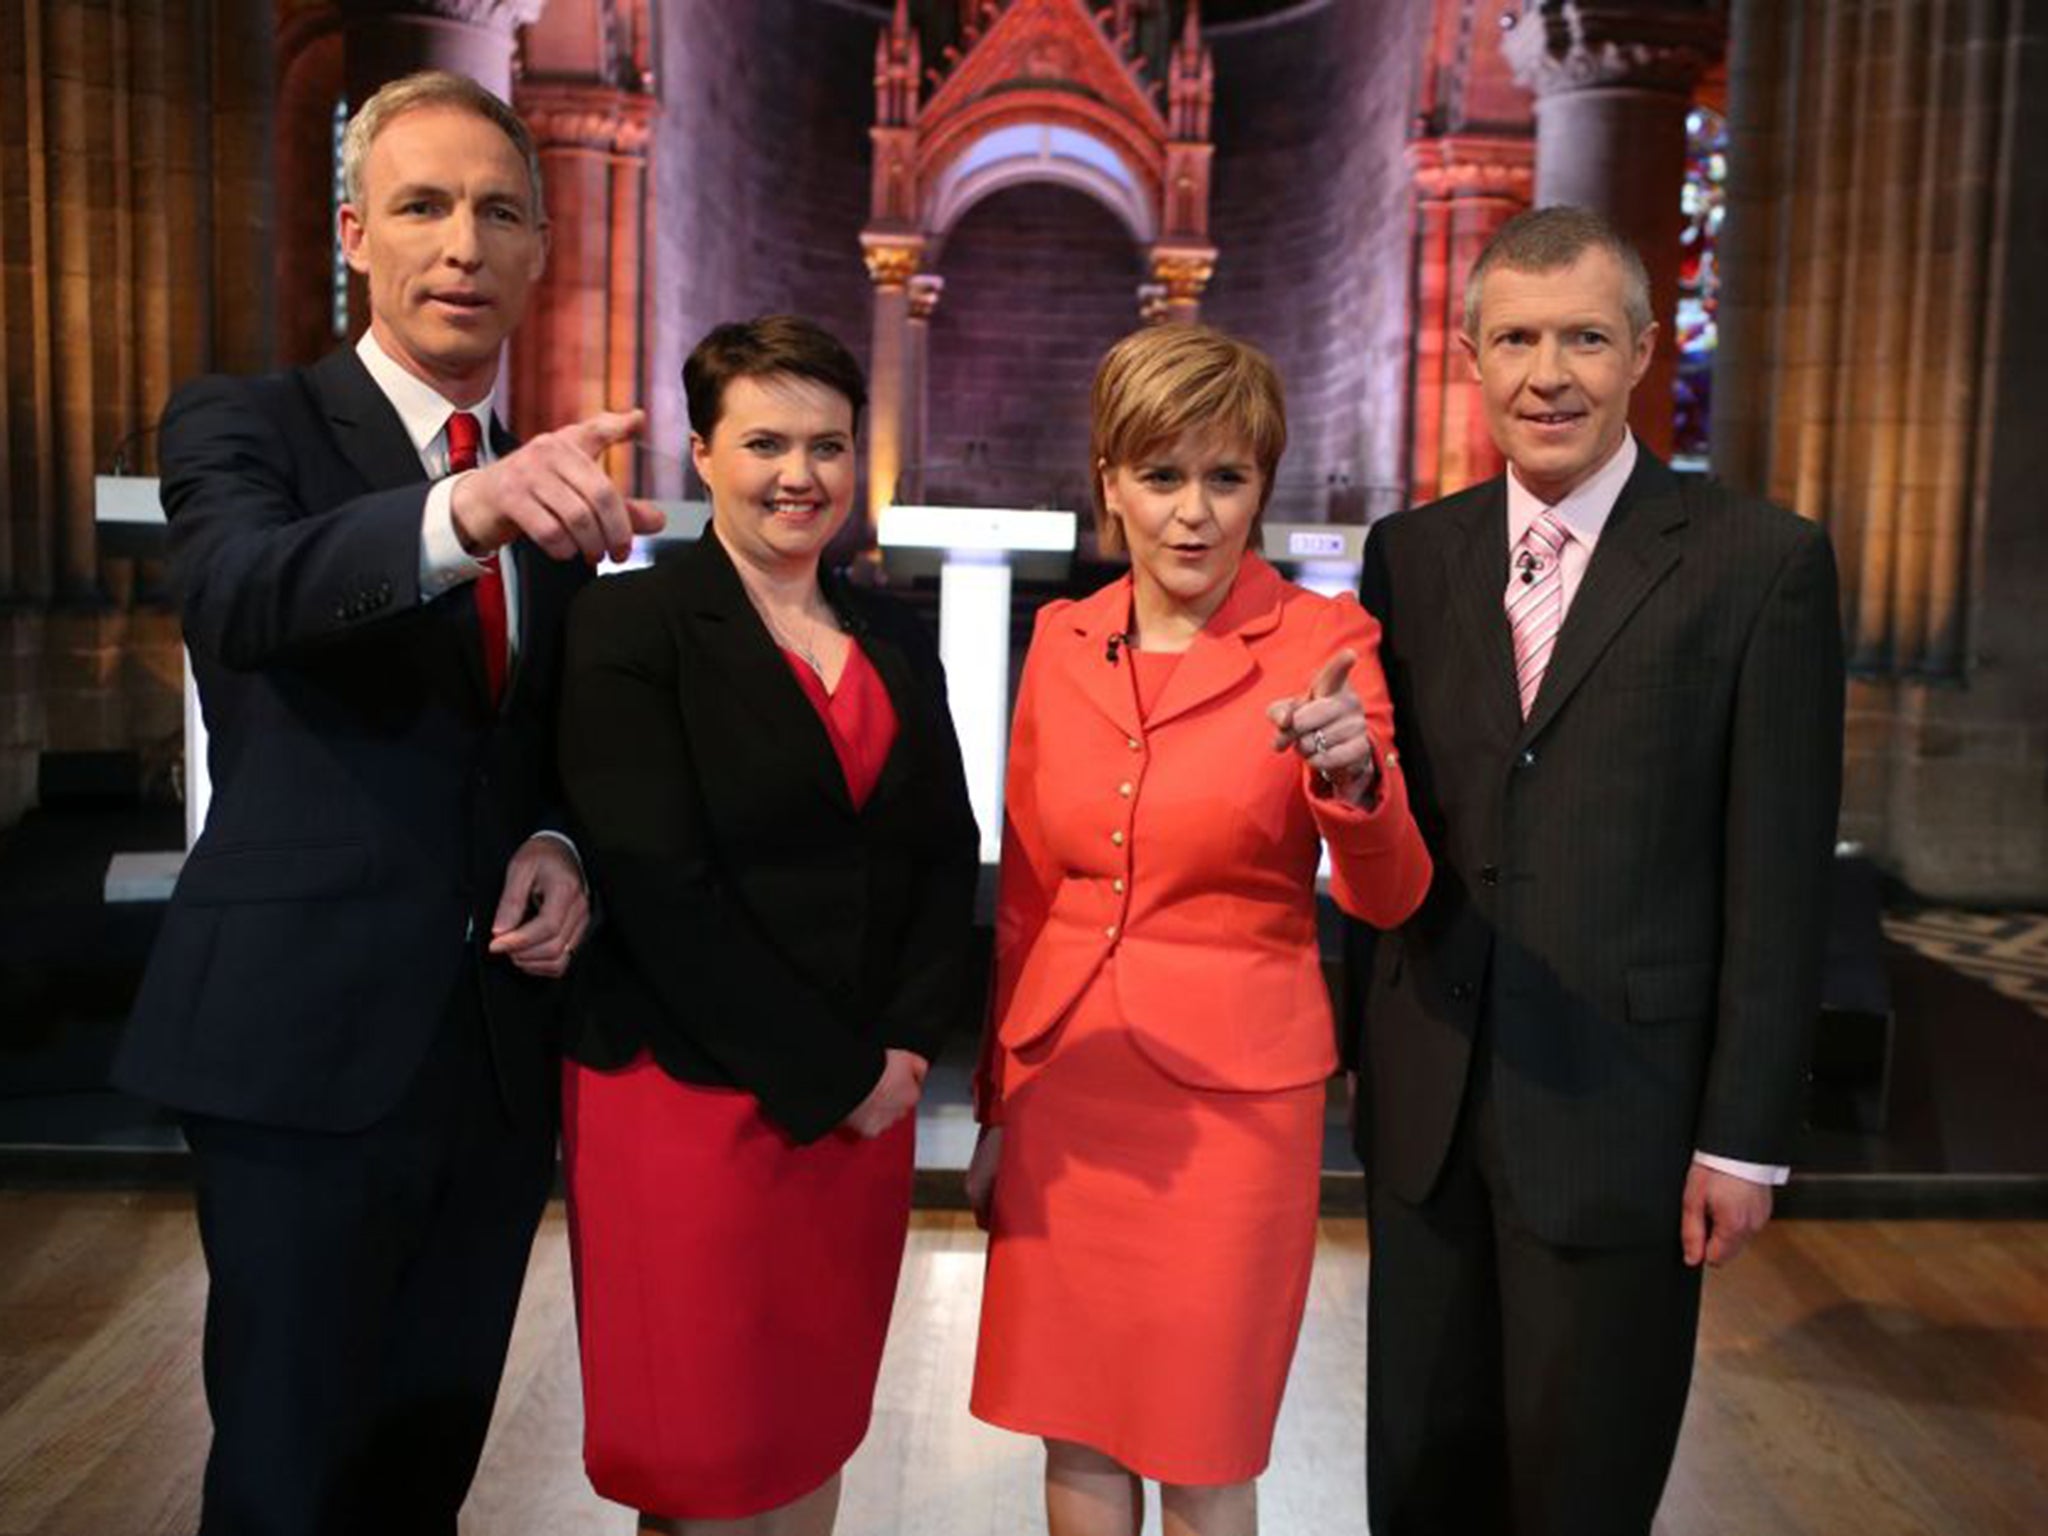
592, 435
1331, 679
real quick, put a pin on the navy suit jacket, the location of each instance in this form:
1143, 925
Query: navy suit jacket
1630, 892
366, 795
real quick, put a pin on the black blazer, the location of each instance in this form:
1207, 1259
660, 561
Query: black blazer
1632, 885
758, 930
366, 795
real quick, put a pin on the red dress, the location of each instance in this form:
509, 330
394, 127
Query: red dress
732, 1288
1150, 1244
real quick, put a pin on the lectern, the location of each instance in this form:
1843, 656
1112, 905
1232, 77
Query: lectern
976, 551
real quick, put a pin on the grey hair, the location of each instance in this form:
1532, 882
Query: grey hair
432, 88
1545, 239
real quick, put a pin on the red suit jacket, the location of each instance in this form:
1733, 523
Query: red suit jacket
1185, 845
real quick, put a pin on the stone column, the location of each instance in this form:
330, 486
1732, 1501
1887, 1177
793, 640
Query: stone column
385, 39
892, 262
344, 51
1466, 187
925, 289
1613, 84
1184, 271
579, 351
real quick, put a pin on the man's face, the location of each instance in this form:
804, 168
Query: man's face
450, 241
1555, 364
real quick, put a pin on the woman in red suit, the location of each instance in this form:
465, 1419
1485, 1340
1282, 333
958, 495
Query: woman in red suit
771, 808
1152, 1084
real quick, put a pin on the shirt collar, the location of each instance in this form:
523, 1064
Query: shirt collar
1585, 511
422, 408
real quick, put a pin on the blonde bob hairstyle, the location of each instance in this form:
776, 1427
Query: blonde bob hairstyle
1160, 383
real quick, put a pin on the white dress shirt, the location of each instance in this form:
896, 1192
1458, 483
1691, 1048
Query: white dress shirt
444, 563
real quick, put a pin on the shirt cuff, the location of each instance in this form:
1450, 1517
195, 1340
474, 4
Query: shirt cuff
444, 563
567, 842
1756, 1173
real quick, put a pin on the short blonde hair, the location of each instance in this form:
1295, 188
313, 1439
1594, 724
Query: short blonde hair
1167, 380
433, 88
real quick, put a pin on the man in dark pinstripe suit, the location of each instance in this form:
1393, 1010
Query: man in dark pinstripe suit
1619, 702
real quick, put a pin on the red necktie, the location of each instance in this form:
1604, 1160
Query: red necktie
464, 434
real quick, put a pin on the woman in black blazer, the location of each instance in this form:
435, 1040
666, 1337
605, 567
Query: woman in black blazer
771, 807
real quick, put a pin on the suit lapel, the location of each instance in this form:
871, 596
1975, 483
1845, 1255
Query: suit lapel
373, 439
1635, 552
1477, 560
732, 636
365, 424
1220, 660
1087, 630
906, 698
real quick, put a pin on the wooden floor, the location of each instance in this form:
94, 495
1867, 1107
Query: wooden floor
1855, 1380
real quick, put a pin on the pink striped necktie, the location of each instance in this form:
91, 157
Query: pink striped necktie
1535, 602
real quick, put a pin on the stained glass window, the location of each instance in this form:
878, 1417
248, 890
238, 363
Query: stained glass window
338, 281
1699, 283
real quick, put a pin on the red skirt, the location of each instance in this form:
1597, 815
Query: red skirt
732, 1291
1149, 1254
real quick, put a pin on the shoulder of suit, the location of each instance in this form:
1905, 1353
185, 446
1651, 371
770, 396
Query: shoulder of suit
1314, 613
620, 603
1726, 510
268, 393
888, 616
1416, 522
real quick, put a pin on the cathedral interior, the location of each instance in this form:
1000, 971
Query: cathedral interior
1843, 208
1839, 205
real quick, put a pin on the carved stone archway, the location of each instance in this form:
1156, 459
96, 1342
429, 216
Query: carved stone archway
1037, 91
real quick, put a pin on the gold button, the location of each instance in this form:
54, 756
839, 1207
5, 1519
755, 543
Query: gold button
1117, 885
1109, 932
1131, 742
1117, 837
1124, 789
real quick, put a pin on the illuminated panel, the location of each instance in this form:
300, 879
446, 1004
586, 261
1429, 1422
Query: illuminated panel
991, 530
979, 545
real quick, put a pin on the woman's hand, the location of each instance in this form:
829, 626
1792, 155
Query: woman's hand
981, 1173
894, 1095
1328, 727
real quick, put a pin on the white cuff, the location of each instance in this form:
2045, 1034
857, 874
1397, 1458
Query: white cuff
567, 842
1756, 1173
444, 563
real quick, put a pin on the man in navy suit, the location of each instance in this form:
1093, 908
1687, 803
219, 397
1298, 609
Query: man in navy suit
351, 998
1618, 697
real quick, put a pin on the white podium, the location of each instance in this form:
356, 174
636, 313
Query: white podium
975, 550
131, 522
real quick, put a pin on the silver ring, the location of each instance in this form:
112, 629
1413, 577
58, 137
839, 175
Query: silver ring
1319, 744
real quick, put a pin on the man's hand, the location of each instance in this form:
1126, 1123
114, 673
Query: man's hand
554, 491
894, 1095
1327, 726
545, 909
1720, 1215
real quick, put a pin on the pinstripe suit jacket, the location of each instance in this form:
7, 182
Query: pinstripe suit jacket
1630, 886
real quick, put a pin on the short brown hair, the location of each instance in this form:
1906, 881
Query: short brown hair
432, 88
1549, 239
752, 349
1166, 380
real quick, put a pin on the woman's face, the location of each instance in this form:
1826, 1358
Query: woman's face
780, 469
1187, 511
